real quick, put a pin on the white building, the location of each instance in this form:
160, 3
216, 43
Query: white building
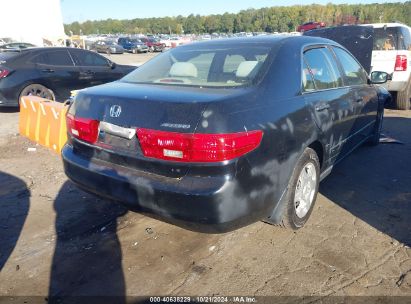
31, 20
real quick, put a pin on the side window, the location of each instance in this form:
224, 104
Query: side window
58, 57
405, 32
85, 58
232, 62
323, 68
308, 81
353, 72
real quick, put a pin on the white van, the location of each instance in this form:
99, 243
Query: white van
392, 54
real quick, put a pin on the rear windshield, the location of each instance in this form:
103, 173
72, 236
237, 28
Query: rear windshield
205, 66
6, 56
391, 38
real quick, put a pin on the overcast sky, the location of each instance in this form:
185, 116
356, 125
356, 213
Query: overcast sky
82, 10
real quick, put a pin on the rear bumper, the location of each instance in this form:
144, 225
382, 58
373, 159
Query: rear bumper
4, 102
396, 86
207, 204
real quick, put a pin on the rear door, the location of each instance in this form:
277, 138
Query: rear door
331, 101
94, 68
385, 49
58, 72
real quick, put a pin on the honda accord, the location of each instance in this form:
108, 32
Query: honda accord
217, 135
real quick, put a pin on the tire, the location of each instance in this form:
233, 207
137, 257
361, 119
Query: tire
39, 90
403, 98
302, 190
375, 137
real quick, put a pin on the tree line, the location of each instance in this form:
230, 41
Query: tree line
270, 19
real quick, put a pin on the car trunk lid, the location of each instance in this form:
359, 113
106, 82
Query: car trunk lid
121, 108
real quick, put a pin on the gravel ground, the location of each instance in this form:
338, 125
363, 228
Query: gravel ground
58, 240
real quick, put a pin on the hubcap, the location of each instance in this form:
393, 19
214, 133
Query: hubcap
305, 190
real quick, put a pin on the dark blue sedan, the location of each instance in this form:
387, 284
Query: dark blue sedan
217, 135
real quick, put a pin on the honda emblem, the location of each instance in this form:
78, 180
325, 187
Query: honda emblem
115, 111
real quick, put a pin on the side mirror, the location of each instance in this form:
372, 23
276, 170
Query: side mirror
378, 77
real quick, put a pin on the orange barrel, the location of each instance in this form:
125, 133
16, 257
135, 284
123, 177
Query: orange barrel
33, 103
56, 126
23, 117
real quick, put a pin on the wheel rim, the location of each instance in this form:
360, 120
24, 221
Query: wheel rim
35, 90
305, 190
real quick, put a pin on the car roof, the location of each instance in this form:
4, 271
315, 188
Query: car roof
267, 40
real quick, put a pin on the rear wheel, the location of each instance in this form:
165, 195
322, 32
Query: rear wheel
403, 98
302, 190
37, 90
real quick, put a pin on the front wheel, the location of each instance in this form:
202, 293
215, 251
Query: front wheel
302, 190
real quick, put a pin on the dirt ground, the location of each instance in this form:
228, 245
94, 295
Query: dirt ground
58, 240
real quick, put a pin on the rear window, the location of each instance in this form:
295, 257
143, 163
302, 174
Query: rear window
391, 38
211, 66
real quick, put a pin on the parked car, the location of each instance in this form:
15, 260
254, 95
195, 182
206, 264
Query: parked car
5, 41
392, 54
310, 26
15, 46
219, 134
53, 72
108, 47
133, 45
153, 44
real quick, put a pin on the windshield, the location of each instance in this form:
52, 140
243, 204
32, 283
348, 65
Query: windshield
205, 66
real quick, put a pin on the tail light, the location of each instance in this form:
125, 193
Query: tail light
4, 73
83, 128
185, 147
400, 63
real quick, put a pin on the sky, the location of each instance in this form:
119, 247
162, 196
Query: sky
82, 10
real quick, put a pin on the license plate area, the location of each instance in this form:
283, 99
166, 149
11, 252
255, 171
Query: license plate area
116, 138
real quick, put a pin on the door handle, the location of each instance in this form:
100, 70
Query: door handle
48, 71
322, 107
86, 73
